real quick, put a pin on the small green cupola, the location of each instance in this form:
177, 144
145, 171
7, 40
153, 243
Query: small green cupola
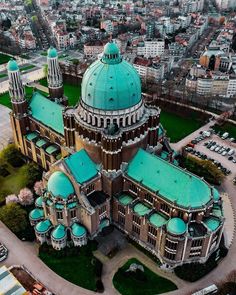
52, 52
176, 226
12, 65
59, 185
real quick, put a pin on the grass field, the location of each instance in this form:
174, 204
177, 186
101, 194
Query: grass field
4, 58
15, 181
26, 68
178, 127
71, 91
3, 75
78, 269
133, 285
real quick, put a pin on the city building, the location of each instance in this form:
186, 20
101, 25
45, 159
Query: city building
151, 48
112, 170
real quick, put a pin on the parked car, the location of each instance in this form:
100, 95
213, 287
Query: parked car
225, 135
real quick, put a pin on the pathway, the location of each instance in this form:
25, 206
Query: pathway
21, 253
5, 127
39, 87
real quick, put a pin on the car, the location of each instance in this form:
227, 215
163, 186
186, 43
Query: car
230, 158
224, 153
234, 161
231, 139
217, 149
213, 147
206, 143
231, 152
225, 135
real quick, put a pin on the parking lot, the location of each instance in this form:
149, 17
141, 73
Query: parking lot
222, 152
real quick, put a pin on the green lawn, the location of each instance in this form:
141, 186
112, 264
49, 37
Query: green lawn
128, 284
71, 91
78, 268
5, 98
227, 127
178, 127
26, 68
3, 75
4, 58
15, 181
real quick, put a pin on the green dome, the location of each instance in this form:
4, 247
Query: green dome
39, 202
36, 214
43, 226
176, 226
52, 52
59, 185
111, 83
12, 65
59, 232
78, 230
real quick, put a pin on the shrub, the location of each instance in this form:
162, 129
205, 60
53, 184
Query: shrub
192, 272
26, 197
12, 199
98, 268
14, 217
227, 288
99, 286
38, 188
11, 155
3, 171
33, 174
204, 168
3, 195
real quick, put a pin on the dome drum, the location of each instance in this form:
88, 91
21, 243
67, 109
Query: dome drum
101, 119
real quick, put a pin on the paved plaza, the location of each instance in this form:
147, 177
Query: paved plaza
5, 127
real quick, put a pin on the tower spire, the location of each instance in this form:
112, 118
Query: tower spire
16, 89
55, 83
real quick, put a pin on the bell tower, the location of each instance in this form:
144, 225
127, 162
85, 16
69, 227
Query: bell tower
55, 83
19, 114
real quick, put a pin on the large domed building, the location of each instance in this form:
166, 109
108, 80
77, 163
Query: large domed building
103, 166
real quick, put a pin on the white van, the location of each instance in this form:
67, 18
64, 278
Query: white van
225, 135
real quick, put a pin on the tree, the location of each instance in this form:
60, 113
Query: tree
33, 173
11, 155
12, 199
26, 197
38, 188
14, 217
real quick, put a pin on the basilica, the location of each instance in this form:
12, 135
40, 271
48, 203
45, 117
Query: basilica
103, 165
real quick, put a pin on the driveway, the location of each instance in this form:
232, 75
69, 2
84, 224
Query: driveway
5, 127
21, 253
